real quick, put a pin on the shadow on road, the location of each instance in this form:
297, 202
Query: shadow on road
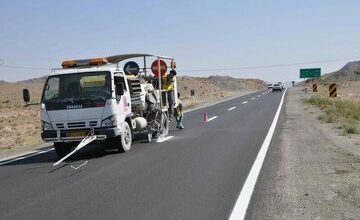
92, 151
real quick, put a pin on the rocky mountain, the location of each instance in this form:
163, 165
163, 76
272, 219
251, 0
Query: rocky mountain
350, 72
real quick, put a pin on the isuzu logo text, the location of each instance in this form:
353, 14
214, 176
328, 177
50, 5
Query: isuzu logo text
73, 106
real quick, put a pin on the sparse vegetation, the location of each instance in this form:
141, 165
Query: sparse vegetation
344, 112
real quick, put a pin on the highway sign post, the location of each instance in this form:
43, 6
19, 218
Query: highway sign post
131, 68
310, 73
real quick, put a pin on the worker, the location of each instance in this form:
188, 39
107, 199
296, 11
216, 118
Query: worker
178, 113
168, 85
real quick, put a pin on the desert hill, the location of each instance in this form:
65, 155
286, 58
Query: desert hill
350, 72
347, 80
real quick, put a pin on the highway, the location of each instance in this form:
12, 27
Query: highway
197, 174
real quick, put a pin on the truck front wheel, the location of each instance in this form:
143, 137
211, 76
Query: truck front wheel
125, 138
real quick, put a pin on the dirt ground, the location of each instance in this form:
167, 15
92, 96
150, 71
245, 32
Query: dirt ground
312, 171
19, 125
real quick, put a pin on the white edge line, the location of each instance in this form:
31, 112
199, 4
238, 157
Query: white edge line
244, 102
164, 139
24, 157
212, 118
241, 205
232, 108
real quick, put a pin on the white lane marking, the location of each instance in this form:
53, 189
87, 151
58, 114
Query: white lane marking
239, 211
160, 139
252, 98
232, 108
244, 102
75, 168
24, 157
212, 118
259, 95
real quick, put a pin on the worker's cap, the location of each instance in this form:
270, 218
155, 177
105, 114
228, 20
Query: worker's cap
173, 72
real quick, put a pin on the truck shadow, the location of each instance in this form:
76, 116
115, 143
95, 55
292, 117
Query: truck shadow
92, 151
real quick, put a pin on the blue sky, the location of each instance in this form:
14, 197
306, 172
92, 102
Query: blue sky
199, 34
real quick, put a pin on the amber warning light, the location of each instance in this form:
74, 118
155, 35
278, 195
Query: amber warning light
83, 63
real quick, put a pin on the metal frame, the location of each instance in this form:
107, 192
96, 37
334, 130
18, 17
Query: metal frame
121, 57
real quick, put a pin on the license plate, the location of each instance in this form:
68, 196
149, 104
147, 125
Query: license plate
76, 134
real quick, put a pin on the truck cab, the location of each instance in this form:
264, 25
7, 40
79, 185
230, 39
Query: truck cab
96, 97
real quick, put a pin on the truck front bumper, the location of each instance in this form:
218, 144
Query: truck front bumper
62, 135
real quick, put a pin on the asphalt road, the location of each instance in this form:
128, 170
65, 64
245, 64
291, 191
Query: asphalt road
197, 174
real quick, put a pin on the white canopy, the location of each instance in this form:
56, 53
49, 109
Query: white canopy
118, 58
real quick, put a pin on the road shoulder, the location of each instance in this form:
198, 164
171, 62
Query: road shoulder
310, 172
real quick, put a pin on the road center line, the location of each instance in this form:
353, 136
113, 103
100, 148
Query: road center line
212, 118
241, 205
160, 140
252, 98
244, 102
232, 108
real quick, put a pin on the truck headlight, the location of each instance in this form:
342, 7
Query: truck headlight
109, 122
46, 126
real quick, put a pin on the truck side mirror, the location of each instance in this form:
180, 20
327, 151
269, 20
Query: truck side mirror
26, 96
119, 89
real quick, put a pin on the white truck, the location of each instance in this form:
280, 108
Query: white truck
97, 97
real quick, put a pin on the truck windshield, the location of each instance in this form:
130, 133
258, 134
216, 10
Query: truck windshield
82, 88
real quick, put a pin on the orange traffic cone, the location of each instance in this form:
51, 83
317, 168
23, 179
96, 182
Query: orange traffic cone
205, 117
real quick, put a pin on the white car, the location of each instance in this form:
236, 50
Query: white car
276, 87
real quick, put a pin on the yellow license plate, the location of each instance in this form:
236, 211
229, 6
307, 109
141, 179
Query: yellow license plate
76, 134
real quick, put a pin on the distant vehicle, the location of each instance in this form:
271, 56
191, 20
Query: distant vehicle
269, 85
282, 87
277, 87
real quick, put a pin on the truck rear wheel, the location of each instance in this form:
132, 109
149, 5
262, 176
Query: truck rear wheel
125, 138
62, 149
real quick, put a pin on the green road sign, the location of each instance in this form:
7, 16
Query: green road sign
310, 73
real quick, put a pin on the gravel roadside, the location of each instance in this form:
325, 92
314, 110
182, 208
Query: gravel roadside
311, 171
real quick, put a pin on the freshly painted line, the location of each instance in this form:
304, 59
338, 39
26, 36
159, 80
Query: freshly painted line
212, 118
241, 205
252, 98
27, 156
75, 168
232, 108
244, 102
164, 139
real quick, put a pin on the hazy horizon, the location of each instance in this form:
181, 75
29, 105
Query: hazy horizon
200, 35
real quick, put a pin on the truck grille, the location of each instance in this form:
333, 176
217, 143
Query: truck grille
92, 123
60, 125
76, 124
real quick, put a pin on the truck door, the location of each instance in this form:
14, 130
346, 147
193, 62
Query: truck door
123, 102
